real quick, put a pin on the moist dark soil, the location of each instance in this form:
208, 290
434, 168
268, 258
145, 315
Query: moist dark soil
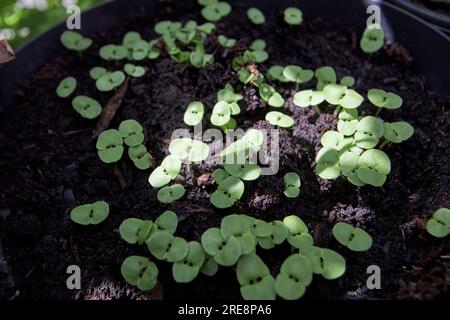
49, 165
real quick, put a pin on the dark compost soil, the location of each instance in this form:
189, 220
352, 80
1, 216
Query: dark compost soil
49, 165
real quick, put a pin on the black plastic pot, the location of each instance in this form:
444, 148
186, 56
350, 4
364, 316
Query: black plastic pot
429, 47
440, 20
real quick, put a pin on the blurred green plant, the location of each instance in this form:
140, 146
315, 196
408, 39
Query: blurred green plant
21, 21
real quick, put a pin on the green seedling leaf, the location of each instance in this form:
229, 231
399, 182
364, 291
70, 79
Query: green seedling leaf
347, 81
171, 194
188, 149
369, 130
194, 113
354, 238
134, 71
226, 252
383, 99
162, 27
140, 272
349, 162
298, 236
291, 185
325, 76
210, 266
258, 44
130, 39
297, 75
327, 160
255, 279
246, 172
141, 158
216, 11
229, 191
134, 230
235, 225
306, 98
113, 52
153, 51
74, 41
110, 146
110, 81
269, 94
397, 132
328, 263
87, 107
348, 121
187, 269
279, 119
337, 94
220, 174
373, 167
295, 275
278, 234
256, 16
231, 125
293, 16
87, 214
167, 221
276, 73
140, 50
226, 42
167, 171
372, 39
221, 114
207, 27
66, 87
132, 132
97, 72
439, 225
164, 246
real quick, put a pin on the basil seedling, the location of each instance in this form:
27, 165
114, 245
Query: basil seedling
256, 16
295, 275
356, 239
140, 272
186, 270
110, 146
255, 279
171, 193
439, 225
372, 39
291, 185
66, 87
166, 172
87, 107
293, 16
74, 41
87, 214
279, 119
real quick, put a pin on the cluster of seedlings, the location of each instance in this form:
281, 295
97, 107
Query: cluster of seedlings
350, 151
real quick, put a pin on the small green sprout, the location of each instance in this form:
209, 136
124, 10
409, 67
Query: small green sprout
206, 2
141, 158
373, 167
356, 239
277, 235
348, 121
113, 52
188, 149
292, 185
255, 279
163, 27
210, 266
295, 275
397, 132
383, 99
97, 72
110, 146
439, 225
206, 28
337, 94
326, 262
228, 95
226, 42
297, 75
293, 16
133, 71
347, 81
87, 107
220, 174
235, 225
230, 125
194, 113
225, 251
228, 192
87, 214
66, 87
167, 221
171, 193
279, 119
132, 132
74, 41
153, 51
165, 246
134, 230
325, 76
216, 11
130, 39
256, 16
306, 98
369, 130
140, 272
276, 73
140, 50
110, 81
199, 58
246, 172
327, 160
258, 45
250, 143
166, 172
186, 270
221, 114
372, 39
271, 96
298, 236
